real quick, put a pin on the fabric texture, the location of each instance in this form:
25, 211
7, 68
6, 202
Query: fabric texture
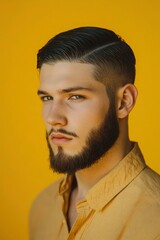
123, 205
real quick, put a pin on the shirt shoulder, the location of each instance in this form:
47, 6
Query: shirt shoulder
44, 204
148, 181
48, 193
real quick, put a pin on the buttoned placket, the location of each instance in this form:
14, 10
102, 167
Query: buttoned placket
83, 211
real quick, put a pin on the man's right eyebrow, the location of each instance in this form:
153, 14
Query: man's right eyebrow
41, 92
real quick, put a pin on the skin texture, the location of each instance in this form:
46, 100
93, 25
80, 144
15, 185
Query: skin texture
76, 111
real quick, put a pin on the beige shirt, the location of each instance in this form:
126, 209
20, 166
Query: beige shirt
124, 205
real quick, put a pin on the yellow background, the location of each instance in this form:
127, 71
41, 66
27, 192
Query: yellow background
25, 27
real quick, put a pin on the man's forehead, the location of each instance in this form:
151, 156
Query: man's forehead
67, 69
66, 76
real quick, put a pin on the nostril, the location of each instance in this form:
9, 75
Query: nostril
57, 120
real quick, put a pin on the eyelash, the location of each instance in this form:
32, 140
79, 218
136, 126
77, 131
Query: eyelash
46, 98
77, 97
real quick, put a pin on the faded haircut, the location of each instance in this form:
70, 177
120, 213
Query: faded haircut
107, 51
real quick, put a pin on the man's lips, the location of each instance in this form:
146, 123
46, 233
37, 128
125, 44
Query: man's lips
57, 138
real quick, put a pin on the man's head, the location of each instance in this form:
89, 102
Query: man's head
108, 52
86, 77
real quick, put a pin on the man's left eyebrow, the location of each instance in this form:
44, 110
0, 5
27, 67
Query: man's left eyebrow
72, 89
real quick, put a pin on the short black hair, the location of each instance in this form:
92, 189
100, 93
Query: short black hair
103, 48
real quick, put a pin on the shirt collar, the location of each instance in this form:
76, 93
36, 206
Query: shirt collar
116, 180
65, 184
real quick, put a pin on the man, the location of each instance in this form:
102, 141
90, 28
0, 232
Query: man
107, 193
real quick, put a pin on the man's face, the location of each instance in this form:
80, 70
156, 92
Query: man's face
81, 123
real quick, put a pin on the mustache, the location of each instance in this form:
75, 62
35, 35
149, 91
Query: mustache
61, 130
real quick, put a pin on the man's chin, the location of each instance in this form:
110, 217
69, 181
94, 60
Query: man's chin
67, 153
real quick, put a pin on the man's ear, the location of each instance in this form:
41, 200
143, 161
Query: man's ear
126, 99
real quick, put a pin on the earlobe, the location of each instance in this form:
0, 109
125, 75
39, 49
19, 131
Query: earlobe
127, 96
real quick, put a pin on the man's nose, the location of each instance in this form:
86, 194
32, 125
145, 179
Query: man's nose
57, 114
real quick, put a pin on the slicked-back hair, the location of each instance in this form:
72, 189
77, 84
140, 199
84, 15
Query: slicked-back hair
107, 51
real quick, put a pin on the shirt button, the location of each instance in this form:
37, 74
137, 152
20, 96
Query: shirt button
63, 221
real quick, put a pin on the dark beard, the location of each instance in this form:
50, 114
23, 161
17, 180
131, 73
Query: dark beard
99, 141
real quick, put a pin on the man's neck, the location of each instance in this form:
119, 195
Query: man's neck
87, 178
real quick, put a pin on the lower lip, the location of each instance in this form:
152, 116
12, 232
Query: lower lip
58, 141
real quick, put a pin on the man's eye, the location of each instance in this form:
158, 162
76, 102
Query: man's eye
46, 98
77, 97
